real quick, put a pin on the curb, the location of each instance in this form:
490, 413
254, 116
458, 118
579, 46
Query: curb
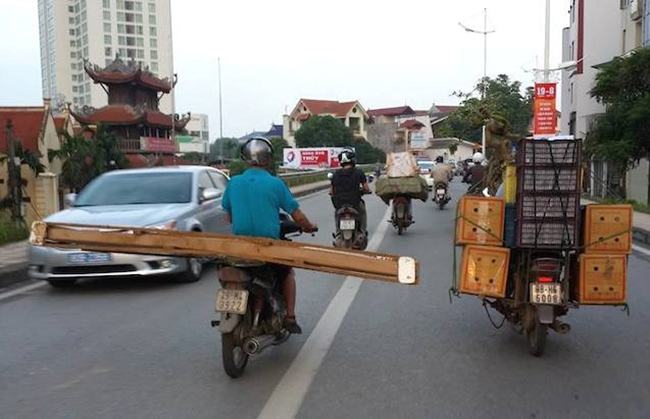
13, 274
640, 235
312, 190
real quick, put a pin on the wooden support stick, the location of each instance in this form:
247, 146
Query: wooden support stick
320, 258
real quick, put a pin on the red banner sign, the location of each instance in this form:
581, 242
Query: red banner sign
545, 119
165, 145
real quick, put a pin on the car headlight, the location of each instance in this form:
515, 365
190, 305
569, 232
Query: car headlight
167, 225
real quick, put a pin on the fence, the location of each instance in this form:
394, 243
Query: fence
313, 176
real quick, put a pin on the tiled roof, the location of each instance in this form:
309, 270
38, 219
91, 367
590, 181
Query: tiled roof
275, 131
399, 110
120, 72
28, 122
446, 108
59, 122
126, 115
412, 124
247, 137
320, 107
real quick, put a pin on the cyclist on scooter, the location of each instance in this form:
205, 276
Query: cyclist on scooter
349, 183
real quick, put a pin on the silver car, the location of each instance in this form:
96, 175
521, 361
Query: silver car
183, 198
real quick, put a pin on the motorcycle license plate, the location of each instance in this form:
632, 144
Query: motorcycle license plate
346, 225
545, 293
441, 191
232, 301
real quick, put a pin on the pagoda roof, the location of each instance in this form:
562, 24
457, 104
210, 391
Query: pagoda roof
122, 72
127, 115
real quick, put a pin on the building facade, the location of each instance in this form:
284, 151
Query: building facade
351, 114
198, 138
599, 30
74, 31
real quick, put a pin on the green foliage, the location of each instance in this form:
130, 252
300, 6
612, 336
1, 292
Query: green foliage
230, 148
83, 160
453, 148
194, 158
327, 131
27, 158
279, 144
11, 230
503, 98
622, 134
237, 167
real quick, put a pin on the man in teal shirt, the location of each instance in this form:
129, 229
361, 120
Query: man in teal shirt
253, 202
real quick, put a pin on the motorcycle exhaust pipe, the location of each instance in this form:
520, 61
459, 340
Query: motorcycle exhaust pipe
560, 327
257, 344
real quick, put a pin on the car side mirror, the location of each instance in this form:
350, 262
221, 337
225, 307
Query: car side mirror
210, 194
330, 175
70, 198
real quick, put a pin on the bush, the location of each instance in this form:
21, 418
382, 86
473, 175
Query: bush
10, 230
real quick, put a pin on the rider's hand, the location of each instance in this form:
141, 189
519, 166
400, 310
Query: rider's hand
312, 228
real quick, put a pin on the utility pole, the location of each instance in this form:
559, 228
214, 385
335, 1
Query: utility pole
220, 114
547, 43
14, 181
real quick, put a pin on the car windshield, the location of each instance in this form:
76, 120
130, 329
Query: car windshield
426, 165
137, 188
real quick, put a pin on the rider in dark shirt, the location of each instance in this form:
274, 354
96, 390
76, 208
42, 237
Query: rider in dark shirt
349, 184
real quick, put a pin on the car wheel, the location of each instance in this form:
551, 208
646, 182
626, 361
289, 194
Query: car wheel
193, 272
62, 283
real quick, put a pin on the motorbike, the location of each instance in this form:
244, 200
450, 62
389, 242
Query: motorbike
401, 218
348, 229
441, 198
252, 308
538, 295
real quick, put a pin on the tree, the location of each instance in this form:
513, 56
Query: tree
279, 144
230, 148
453, 147
27, 158
622, 134
327, 131
194, 158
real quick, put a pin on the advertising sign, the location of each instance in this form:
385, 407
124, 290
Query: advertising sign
545, 119
311, 158
419, 140
166, 145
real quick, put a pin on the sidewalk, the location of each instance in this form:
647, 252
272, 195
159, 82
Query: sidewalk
641, 225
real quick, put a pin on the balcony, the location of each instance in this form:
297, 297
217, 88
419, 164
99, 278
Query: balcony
149, 144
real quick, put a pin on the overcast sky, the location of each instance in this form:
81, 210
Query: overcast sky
383, 53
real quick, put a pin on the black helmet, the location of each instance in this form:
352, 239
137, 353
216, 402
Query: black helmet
258, 151
439, 159
347, 156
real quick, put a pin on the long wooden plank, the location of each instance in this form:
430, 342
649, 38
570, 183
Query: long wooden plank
383, 267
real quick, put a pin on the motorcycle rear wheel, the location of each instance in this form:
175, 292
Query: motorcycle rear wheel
234, 358
536, 337
400, 230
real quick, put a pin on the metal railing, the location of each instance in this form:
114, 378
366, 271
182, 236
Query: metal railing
313, 176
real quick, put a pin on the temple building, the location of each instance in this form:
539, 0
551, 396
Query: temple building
145, 134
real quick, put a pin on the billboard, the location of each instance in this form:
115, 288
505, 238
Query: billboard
545, 118
311, 158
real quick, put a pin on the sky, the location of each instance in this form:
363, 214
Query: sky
274, 52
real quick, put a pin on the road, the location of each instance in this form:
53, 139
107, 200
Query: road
145, 349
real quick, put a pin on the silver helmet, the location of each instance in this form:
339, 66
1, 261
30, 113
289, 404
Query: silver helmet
258, 151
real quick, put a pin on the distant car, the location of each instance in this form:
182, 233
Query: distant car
180, 198
426, 166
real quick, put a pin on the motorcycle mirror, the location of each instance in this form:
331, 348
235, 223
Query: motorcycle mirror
486, 192
330, 176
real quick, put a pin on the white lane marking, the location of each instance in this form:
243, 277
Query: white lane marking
292, 388
22, 290
641, 249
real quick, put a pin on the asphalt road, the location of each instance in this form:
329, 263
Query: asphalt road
145, 348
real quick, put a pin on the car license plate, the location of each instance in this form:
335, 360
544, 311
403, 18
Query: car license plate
441, 191
88, 258
232, 301
545, 293
347, 224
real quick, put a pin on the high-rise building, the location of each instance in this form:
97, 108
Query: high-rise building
72, 31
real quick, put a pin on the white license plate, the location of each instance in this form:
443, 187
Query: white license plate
545, 293
232, 301
88, 258
441, 191
347, 224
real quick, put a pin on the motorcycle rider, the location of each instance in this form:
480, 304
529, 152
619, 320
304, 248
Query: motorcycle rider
475, 176
252, 202
440, 172
349, 183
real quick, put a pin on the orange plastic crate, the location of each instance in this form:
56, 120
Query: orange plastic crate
486, 212
603, 221
484, 271
602, 279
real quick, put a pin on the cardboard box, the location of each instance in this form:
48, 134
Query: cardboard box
602, 221
602, 279
481, 220
484, 271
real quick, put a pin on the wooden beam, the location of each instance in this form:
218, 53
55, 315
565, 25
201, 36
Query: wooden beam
378, 266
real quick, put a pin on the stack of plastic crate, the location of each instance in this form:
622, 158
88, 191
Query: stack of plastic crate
548, 194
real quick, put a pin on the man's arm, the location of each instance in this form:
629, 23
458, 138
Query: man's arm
364, 181
301, 219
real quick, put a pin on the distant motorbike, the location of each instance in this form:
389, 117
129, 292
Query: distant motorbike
440, 197
401, 218
252, 308
349, 233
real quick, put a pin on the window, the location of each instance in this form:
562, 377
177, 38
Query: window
75, 100
107, 27
121, 40
73, 44
107, 39
73, 54
71, 32
154, 67
107, 4
139, 42
108, 51
74, 77
73, 66
80, 89
120, 17
153, 43
74, 89
128, 5
138, 7
152, 8
219, 180
154, 54
88, 100
123, 52
152, 31
71, 20
107, 15
130, 53
138, 18
120, 4
86, 49
121, 28
152, 19
140, 53
204, 182
139, 30
130, 42
71, 9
